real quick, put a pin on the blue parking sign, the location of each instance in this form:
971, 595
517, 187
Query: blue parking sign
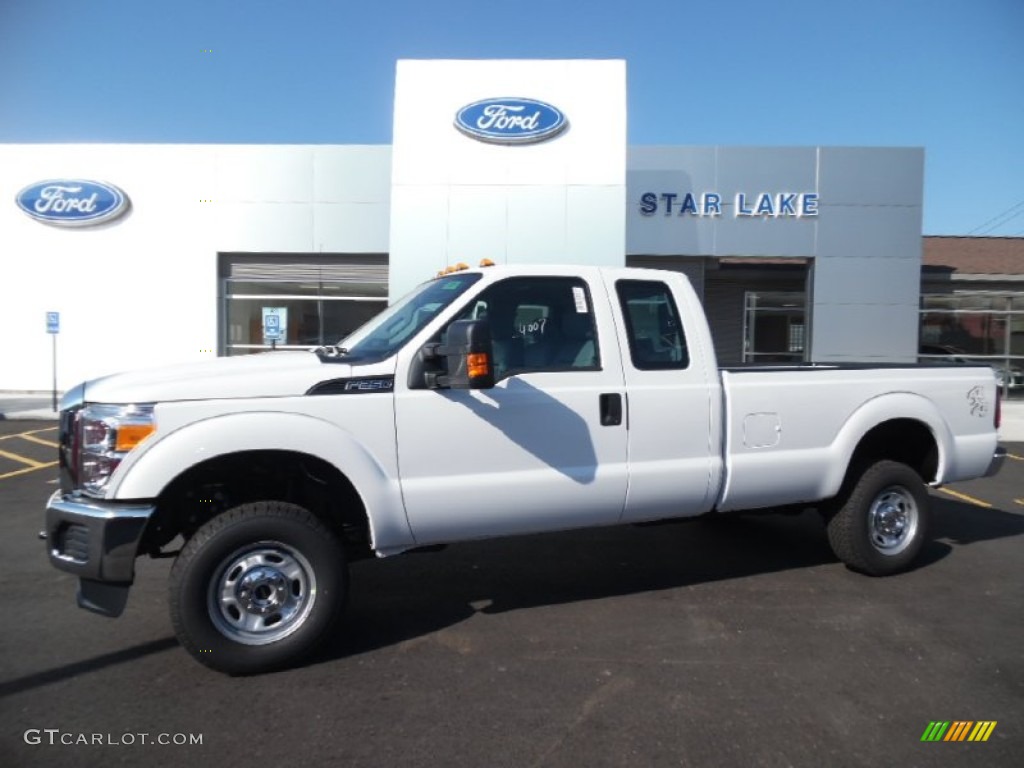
275, 324
53, 322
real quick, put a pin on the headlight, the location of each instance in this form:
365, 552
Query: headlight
108, 433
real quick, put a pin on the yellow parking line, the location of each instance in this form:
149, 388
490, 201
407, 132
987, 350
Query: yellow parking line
965, 497
33, 439
21, 459
1019, 501
30, 432
26, 470
1015, 457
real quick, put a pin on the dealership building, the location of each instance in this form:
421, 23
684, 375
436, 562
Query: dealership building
140, 255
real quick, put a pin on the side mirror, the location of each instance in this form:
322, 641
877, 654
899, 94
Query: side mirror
470, 357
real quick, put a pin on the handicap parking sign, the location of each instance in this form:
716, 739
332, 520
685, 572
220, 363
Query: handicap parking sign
275, 324
53, 322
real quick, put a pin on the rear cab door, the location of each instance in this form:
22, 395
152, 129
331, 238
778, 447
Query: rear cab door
674, 395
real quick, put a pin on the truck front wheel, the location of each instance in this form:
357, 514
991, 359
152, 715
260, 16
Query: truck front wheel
257, 588
880, 524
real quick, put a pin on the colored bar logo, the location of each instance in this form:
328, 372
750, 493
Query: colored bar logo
958, 730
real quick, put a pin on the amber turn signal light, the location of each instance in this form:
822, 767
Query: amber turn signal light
130, 435
478, 364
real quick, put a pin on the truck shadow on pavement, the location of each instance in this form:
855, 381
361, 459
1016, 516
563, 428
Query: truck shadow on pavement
962, 523
95, 664
404, 598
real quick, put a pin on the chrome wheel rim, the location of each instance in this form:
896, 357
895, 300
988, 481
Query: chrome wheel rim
892, 520
262, 593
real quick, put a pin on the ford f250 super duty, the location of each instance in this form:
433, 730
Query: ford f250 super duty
487, 402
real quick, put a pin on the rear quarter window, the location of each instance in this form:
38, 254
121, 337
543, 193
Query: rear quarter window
653, 325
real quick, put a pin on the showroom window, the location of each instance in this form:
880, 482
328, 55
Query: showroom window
774, 327
973, 328
314, 303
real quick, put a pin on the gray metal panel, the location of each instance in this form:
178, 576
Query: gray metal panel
857, 333
698, 163
745, 236
874, 176
880, 281
889, 232
752, 170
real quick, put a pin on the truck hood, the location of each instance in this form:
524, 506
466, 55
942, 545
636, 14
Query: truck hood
267, 374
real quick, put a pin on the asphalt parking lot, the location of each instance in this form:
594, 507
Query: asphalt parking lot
740, 642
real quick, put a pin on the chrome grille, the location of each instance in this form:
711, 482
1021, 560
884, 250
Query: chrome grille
67, 453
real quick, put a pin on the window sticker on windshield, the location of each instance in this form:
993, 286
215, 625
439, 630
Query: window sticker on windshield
580, 298
451, 285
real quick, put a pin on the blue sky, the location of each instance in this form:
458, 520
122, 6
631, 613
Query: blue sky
942, 74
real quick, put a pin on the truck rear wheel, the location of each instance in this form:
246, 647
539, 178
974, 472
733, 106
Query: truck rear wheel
257, 588
880, 524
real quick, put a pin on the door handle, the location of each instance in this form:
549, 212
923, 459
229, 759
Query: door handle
611, 409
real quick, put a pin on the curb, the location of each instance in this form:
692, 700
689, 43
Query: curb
37, 415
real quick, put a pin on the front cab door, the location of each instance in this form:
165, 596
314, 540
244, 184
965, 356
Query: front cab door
545, 449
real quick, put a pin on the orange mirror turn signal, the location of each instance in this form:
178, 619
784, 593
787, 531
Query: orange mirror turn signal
478, 364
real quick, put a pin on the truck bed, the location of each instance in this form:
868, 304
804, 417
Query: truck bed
790, 430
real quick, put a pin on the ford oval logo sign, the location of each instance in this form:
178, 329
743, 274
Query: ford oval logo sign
510, 121
72, 202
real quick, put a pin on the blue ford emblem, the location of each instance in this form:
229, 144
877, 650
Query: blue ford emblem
510, 120
72, 202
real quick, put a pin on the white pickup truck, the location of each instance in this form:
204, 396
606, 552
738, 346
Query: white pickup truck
488, 402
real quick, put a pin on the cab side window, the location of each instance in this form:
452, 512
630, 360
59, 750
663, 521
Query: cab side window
539, 324
655, 332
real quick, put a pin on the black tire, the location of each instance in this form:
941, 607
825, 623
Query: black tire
257, 588
880, 523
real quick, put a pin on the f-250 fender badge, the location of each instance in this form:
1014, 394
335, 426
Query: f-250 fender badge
357, 386
977, 402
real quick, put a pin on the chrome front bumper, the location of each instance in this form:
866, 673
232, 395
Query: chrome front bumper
98, 542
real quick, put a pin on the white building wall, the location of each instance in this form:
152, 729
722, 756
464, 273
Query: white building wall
134, 292
142, 289
454, 198
302, 199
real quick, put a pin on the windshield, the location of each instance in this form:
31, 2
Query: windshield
386, 333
